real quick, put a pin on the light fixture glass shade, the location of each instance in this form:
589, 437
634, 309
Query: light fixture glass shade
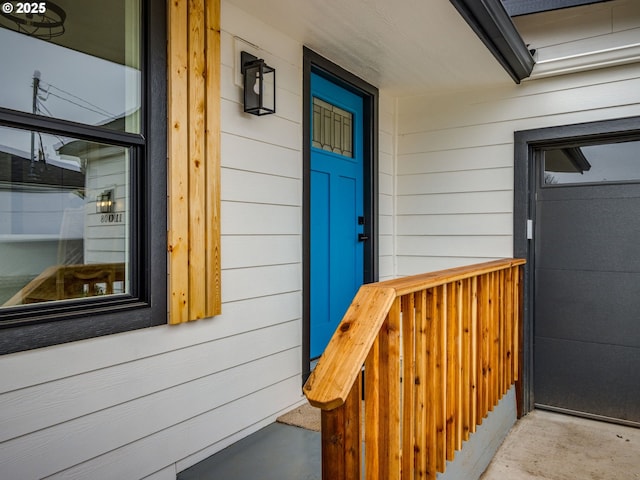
105, 202
259, 86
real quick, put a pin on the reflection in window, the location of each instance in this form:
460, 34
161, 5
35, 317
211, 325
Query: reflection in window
57, 241
88, 72
65, 202
332, 128
613, 162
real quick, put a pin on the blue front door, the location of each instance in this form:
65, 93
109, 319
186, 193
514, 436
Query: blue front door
337, 198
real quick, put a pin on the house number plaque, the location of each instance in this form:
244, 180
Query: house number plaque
111, 218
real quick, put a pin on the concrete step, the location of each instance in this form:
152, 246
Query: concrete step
277, 452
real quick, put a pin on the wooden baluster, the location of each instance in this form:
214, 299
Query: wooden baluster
466, 392
487, 339
390, 400
483, 347
495, 315
496, 339
478, 325
440, 375
408, 385
433, 390
500, 333
506, 306
492, 339
497, 357
498, 324
511, 314
341, 441
503, 335
473, 420
499, 336
509, 326
372, 412
422, 376
451, 367
501, 343
459, 399
382, 401
353, 431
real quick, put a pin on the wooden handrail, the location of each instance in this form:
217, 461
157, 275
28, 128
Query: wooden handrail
455, 333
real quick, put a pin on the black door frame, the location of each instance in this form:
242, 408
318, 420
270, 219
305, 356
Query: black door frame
527, 144
312, 62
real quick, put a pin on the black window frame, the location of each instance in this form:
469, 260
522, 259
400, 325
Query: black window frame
51, 323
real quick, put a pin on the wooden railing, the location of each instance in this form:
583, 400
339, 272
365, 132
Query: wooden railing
439, 350
63, 282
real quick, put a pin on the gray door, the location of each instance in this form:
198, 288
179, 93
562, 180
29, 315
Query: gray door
587, 282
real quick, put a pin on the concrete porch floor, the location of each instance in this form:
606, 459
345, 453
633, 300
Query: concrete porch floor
276, 452
553, 446
542, 445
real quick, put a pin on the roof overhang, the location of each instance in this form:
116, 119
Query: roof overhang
526, 7
493, 25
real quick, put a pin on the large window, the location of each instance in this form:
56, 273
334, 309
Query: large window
82, 170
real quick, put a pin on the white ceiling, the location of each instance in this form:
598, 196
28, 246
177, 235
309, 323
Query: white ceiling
403, 46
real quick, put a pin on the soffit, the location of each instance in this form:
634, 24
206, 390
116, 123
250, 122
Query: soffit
406, 47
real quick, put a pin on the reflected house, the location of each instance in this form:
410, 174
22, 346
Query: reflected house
106, 169
566, 160
604, 163
51, 228
85, 71
60, 223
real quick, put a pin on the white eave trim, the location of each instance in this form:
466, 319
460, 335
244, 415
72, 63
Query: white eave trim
491, 22
579, 62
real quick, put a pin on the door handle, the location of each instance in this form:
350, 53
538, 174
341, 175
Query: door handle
362, 237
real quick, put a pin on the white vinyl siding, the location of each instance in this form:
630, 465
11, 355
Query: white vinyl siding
132, 392
386, 185
455, 160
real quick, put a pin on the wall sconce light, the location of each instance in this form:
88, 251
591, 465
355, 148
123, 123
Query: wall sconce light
259, 85
105, 202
